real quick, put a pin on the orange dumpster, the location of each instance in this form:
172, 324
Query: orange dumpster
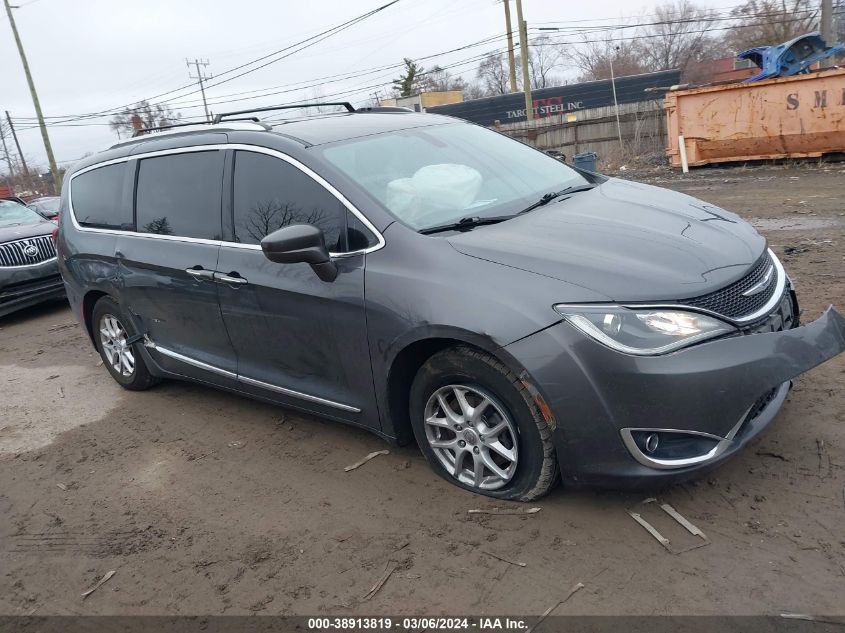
787, 117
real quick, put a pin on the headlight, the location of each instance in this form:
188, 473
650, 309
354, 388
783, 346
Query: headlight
645, 332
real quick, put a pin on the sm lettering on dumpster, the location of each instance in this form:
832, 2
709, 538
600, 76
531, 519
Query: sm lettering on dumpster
819, 99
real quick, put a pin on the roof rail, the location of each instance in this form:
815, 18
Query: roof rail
159, 128
166, 130
384, 109
218, 118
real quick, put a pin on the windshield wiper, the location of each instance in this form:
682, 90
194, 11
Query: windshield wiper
470, 222
464, 224
546, 199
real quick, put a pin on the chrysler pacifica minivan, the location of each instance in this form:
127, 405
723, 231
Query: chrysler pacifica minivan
425, 278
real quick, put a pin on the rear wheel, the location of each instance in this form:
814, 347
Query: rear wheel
122, 360
478, 426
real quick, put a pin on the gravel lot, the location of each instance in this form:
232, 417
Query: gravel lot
208, 503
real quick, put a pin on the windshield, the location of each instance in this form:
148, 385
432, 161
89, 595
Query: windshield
14, 213
439, 174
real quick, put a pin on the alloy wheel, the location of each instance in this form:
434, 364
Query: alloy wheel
113, 338
472, 436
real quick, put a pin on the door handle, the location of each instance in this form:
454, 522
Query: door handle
200, 273
230, 279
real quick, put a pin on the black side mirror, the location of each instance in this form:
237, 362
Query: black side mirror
300, 243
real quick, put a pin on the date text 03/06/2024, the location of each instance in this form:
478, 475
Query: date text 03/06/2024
492, 624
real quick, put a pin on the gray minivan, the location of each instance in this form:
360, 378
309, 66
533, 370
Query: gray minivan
422, 277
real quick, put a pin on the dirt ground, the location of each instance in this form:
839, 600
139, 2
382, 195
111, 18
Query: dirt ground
207, 503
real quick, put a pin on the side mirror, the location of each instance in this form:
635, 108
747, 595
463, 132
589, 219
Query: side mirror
300, 243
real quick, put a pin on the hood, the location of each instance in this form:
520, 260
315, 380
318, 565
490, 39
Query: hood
22, 231
628, 241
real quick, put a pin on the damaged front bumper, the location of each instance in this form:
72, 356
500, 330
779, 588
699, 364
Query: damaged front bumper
632, 420
24, 286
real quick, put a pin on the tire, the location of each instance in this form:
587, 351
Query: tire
108, 324
518, 440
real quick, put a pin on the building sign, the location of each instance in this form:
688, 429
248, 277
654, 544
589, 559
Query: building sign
510, 108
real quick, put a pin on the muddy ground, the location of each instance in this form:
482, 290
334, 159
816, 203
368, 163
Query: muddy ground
208, 503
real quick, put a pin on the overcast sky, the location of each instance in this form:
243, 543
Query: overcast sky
95, 55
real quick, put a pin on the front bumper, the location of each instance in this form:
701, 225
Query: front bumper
24, 286
729, 389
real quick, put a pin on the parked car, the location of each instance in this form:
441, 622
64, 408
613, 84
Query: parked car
29, 273
47, 207
13, 199
422, 277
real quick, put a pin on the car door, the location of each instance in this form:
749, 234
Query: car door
167, 265
299, 340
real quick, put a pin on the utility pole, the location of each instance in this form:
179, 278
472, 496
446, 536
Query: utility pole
615, 102
827, 29
6, 153
200, 77
18, 145
57, 177
511, 58
523, 53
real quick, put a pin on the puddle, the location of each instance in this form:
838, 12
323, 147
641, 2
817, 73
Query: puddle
792, 224
39, 404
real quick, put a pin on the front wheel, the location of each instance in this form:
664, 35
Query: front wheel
121, 359
478, 426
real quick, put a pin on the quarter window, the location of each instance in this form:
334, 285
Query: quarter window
96, 197
180, 194
270, 193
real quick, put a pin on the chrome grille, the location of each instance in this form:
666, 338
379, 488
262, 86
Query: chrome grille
730, 301
25, 252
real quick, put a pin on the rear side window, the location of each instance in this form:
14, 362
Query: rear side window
180, 195
270, 193
96, 197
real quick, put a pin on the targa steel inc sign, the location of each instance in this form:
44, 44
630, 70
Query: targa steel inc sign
510, 108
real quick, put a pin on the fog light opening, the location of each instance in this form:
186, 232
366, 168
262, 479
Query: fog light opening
665, 448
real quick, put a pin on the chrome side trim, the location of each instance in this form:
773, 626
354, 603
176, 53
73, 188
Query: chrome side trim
246, 380
217, 147
297, 394
257, 247
188, 360
724, 443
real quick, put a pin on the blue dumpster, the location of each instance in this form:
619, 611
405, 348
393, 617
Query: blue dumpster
586, 161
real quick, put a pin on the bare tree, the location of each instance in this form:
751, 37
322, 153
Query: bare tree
679, 35
142, 115
543, 58
439, 80
473, 90
594, 59
493, 74
767, 22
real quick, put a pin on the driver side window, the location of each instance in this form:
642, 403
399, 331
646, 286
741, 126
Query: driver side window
270, 193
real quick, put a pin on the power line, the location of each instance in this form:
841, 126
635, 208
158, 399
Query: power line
305, 43
297, 86
571, 31
69, 120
